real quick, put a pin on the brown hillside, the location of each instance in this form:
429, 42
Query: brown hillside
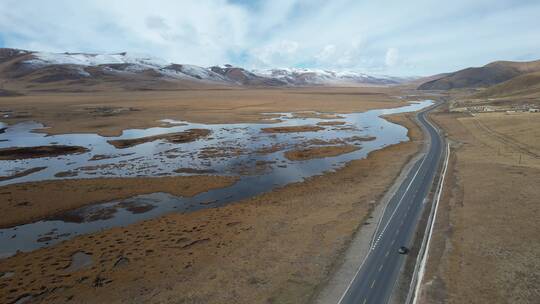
525, 84
486, 76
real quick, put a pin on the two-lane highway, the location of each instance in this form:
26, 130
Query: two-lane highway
378, 273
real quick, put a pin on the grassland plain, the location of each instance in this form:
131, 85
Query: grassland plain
108, 113
277, 247
486, 242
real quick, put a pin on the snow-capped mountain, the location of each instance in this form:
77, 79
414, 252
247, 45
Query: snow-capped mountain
44, 67
300, 76
44, 58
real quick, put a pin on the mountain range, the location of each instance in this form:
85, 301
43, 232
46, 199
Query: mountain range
32, 70
22, 70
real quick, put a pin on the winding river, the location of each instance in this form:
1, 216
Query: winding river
242, 150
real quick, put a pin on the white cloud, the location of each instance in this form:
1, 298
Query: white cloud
392, 57
339, 34
275, 53
157, 23
327, 52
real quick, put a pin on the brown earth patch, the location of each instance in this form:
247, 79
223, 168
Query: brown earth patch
105, 156
12, 153
331, 123
311, 114
22, 173
220, 152
66, 174
319, 152
271, 148
194, 171
175, 138
336, 141
360, 138
292, 129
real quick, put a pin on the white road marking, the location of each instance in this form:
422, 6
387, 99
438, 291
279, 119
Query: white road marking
384, 211
424, 258
385, 227
402, 197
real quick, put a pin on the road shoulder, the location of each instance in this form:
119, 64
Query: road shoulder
352, 258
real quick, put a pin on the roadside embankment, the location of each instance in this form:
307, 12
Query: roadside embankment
486, 244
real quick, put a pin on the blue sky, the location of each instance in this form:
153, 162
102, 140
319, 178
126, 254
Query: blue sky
416, 37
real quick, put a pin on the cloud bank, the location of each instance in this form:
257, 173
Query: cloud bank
416, 37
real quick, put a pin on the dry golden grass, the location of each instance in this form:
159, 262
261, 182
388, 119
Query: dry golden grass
178, 137
319, 152
277, 247
486, 242
25, 202
108, 113
520, 86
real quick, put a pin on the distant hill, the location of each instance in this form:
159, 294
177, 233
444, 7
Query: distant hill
525, 84
486, 76
421, 80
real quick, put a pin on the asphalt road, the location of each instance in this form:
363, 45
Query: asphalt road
378, 273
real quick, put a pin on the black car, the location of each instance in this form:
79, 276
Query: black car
403, 250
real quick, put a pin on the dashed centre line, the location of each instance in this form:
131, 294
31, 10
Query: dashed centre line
410, 199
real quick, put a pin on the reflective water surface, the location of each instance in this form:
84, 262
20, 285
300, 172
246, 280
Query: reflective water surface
242, 150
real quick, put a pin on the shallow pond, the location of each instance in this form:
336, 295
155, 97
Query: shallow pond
242, 150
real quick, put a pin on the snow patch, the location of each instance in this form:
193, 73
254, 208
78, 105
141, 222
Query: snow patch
95, 59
